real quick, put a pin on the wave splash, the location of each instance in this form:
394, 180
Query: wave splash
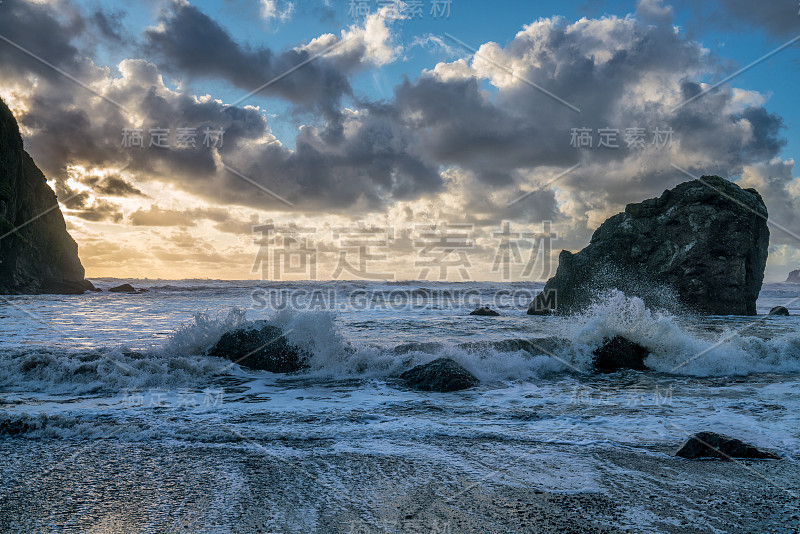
676, 350
180, 361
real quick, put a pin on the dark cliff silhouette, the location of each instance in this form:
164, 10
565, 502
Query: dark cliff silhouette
37, 254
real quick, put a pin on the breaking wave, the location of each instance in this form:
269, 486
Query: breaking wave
180, 361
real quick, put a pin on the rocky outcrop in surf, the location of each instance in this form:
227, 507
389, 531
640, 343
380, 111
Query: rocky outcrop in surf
485, 311
793, 278
126, 288
713, 445
262, 347
443, 375
705, 241
619, 353
37, 255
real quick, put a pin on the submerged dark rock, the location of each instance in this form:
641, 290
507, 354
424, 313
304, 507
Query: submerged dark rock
713, 445
705, 240
14, 427
65, 287
123, 288
484, 310
619, 353
442, 374
37, 255
779, 310
264, 348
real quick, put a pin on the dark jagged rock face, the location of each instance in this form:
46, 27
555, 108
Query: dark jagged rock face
713, 445
705, 242
793, 278
441, 375
619, 353
264, 348
39, 257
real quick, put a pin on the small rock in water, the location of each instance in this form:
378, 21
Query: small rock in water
442, 374
484, 310
620, 353
779, 310
263, 348
124, 288
713, 445
13, 427
66, 287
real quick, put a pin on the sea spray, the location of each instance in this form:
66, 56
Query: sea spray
673, 349
199, 335
512, 349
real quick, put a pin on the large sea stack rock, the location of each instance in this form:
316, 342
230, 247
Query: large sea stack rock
793, 278
705, 242
37, 255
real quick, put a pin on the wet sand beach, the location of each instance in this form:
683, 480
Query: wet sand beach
307, 486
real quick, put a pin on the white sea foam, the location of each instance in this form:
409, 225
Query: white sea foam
112, 370
674, 350
199, 335
180, 361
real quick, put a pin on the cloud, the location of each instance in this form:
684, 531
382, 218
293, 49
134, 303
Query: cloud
35, 28
100, 210
272, 9
155, 216
654, 11
188, 42
109, 24
86, 206
112, 186
224, 220
780, 189
779, 17
459, 142
622, 74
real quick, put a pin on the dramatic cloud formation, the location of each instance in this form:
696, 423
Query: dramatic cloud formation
489, 137
778, 16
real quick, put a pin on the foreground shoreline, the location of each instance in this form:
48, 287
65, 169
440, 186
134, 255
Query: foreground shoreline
314, 486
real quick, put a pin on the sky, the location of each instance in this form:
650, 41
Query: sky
387, 140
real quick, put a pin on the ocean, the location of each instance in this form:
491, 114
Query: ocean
113, 419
